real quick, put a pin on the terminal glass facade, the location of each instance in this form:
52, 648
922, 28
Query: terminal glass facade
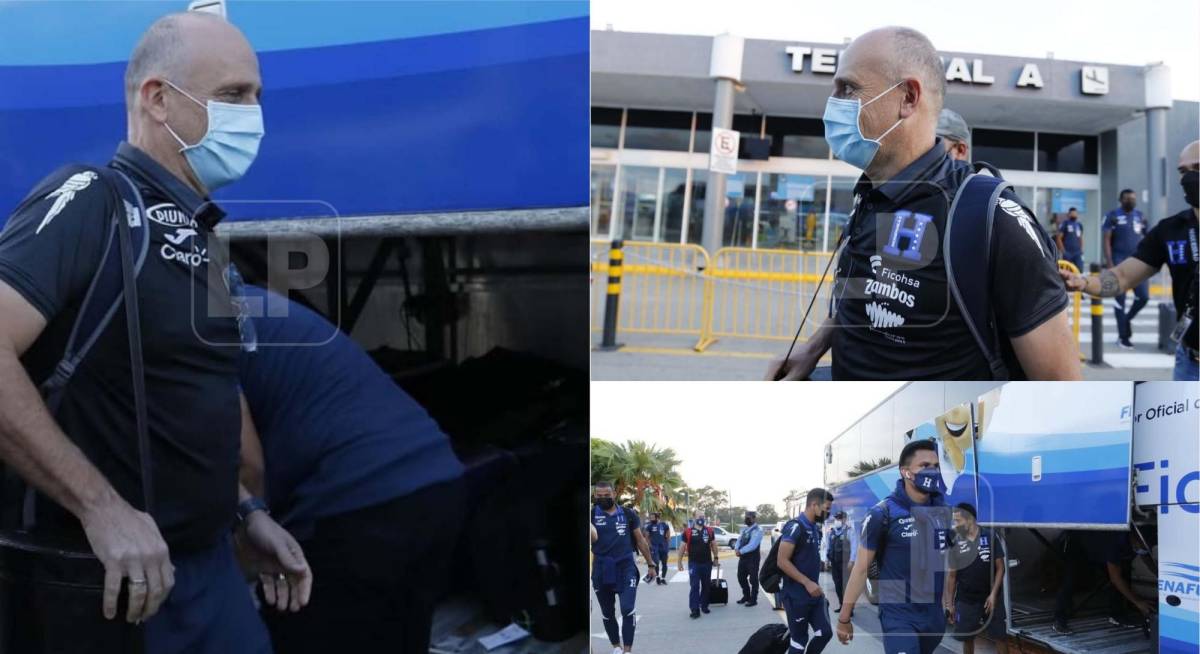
650, 172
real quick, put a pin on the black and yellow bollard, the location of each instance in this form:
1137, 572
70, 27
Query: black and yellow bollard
612, 299
1097, 325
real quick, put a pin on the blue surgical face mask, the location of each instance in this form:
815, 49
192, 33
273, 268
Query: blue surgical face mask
843, 134
929, 480
229, 146
700, 521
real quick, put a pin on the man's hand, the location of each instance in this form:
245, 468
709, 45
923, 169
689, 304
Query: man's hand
989, 603
268, 551
813, 588
681, 566
1073, 281
128, 543
845, 632
798, 367
948, 606
737, 553
652, 573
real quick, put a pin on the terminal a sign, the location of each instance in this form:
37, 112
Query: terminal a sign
1093, 79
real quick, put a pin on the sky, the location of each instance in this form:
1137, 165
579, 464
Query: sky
756, 440
1094, 31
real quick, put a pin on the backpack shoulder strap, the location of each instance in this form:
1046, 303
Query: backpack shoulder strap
980, 166
968, 225
105, 291
113, 283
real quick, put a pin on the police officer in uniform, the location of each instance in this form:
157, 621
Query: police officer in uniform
659, 532
909, 531
700, 547
1123, 230
840, 553
1070, 238
614, 570
800, 562
748, 545
192, 89
974, 597
894, 316
1171, 243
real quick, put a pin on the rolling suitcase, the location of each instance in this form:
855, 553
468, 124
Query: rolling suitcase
718, 589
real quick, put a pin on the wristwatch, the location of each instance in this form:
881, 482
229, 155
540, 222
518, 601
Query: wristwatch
248, 506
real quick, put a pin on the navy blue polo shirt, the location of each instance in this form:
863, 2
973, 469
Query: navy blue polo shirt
1072, 237
337, 433
614, 533
658, 531
806, 536
912, 568
1127, 229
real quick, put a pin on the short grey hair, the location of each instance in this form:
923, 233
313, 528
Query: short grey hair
913, 55
161, 52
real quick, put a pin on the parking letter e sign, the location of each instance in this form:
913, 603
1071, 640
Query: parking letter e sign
724, 152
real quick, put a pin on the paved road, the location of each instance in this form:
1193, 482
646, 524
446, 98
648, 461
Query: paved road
664, 626
653, 357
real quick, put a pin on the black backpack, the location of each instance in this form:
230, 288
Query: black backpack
769, 639
968, 275
770, 578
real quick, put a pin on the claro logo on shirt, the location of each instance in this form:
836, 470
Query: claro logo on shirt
180, 235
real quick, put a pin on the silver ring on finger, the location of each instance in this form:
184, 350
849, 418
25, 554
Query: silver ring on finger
281, 577
137, 582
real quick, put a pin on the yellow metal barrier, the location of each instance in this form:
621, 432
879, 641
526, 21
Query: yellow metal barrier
762, 294
663, 287
742, 293
1076, 305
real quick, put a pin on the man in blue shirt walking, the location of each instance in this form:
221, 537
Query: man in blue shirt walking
748, 544
1070, 239
659, 532
1123, 230
614, 571
800, 562
352, 465
909, 532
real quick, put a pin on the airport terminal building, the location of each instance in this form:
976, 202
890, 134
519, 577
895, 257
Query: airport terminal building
1066, 133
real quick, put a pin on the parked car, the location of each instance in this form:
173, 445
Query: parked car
723, 536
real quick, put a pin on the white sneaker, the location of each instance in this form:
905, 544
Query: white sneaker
618, 650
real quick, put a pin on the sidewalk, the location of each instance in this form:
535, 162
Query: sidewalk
663, 624
653, 357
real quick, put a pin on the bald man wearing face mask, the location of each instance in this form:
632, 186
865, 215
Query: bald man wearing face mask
896, 314
1171, 243
192, 89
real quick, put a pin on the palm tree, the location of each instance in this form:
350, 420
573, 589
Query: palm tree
642, 475
863, 467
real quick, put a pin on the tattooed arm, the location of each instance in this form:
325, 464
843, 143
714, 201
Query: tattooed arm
1111, 282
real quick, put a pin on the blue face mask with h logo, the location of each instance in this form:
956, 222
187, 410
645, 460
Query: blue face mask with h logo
843, 134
